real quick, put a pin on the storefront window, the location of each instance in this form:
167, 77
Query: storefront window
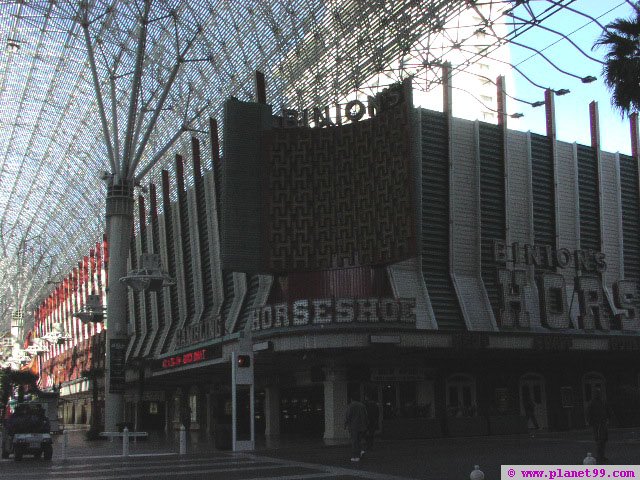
461, 396
408, 399
193, 405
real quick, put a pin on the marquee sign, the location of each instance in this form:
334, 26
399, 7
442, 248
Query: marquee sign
547, 256
188, 358
353, 111
197, 333
595, 311
334, 311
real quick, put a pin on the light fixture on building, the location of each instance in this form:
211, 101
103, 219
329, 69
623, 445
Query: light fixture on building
92, 311
20, 356
37, 347
57, 335
150, 276
13, 45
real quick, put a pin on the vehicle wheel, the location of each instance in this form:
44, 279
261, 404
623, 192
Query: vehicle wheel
38, 454
5, 454
48, 452
17, 454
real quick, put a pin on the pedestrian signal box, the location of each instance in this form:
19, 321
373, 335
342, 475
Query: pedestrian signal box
244, 361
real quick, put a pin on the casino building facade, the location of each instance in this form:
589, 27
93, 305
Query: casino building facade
447, 269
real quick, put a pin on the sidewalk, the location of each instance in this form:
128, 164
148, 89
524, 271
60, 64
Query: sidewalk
443, 458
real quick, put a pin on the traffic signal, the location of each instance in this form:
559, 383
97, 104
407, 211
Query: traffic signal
244, 361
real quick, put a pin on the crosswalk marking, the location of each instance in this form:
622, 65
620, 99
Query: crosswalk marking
239, 466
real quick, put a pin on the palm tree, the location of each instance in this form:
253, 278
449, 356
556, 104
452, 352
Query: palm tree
621, 69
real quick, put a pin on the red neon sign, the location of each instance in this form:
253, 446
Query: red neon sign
185, 359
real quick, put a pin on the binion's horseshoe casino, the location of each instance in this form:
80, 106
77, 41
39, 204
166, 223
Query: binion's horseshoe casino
449, 270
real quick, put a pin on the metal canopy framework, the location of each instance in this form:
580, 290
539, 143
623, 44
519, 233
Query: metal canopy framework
313, 52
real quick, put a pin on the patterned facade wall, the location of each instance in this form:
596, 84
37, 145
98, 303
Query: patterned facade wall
589, 197
568, 221
242, 195
492, 207
435, 239
611, 218
542, 163
340, 197
629, 189
465, 226
520, 207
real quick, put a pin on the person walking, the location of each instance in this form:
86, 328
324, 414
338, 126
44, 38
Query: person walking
356, 422
373, 413
529, 411
598, 418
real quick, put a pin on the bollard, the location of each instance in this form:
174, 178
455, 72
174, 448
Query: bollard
183, 440
65, 443
589, 460
477, 474
125, 442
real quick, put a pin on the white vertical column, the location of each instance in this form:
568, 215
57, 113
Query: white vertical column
335, 405
272, 411
242, 377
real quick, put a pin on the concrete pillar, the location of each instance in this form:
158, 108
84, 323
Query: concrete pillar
335, 405
119, 213
208, 412
167, 418
78, 412
272, 411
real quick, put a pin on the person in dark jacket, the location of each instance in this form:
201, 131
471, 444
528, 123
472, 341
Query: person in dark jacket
598, 418
356, 422
373, 413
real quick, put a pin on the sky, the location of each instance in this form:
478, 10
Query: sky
572, 110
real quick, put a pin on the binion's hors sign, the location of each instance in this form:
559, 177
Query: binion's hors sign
595, 311
317, 313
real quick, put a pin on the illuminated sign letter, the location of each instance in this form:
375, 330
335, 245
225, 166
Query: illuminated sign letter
389, 310
499, 251
320, 120
352, 114
266, 317
255, 319
553, 301
563, 257
300, 312
322, 311
513, 312
289, 118
408, 310
591, 300
367, 310
282, 315
344, 310
625, 296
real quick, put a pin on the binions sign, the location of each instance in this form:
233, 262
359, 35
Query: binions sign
595, 311
353, 111
334, 311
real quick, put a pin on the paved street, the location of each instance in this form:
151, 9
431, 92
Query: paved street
295, 458
170, 466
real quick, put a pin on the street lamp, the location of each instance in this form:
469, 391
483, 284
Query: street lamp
92, 311
150, 277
